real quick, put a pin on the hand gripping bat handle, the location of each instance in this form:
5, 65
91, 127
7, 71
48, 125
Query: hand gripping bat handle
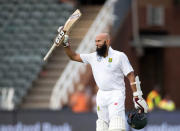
50, 51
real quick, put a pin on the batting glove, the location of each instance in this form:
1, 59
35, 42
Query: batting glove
59, 29
60, 36
66, 41
140, 103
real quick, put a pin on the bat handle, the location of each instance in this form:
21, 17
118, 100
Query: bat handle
49, 52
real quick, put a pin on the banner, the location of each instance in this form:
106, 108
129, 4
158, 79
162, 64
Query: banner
65, 120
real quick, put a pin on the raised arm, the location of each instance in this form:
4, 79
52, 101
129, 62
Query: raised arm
70, 53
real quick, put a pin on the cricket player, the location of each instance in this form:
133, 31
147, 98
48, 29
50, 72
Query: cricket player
109, 68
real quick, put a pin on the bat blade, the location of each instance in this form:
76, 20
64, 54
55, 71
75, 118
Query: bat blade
72, 20
67, 27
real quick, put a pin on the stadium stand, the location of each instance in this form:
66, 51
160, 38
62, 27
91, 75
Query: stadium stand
39, 96
27, 28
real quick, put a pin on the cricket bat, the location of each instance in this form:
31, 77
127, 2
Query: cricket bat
66, 29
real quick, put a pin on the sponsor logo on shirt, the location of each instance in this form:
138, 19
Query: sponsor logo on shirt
115, 103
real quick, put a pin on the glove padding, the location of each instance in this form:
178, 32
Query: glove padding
59, 29
140, 103
65, 42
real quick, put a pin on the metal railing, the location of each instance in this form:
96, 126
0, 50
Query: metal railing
71, 73
6, 101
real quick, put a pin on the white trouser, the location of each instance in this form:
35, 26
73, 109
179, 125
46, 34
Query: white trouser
110, 104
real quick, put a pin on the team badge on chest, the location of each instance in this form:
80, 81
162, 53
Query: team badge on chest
109, 62
99, 58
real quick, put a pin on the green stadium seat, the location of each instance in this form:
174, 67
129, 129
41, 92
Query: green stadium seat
4, 67
4, 15
40, 7
25, 7
6, 83
1, 22
37, 15
17, 67
11, 75
27, 29
21, 83
1, 75
32, 22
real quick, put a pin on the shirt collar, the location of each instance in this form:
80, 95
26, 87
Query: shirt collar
110, 51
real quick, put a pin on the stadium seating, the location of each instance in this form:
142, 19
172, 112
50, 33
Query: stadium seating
27, 29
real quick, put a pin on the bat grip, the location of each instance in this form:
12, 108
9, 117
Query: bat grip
49, 52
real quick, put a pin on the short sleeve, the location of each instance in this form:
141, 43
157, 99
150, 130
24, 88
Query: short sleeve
125, 65
86, 58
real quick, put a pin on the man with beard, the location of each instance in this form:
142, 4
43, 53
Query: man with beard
109, 68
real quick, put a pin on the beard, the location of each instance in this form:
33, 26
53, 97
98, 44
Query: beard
102, 50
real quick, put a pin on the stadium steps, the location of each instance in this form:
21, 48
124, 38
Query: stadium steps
40, 93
